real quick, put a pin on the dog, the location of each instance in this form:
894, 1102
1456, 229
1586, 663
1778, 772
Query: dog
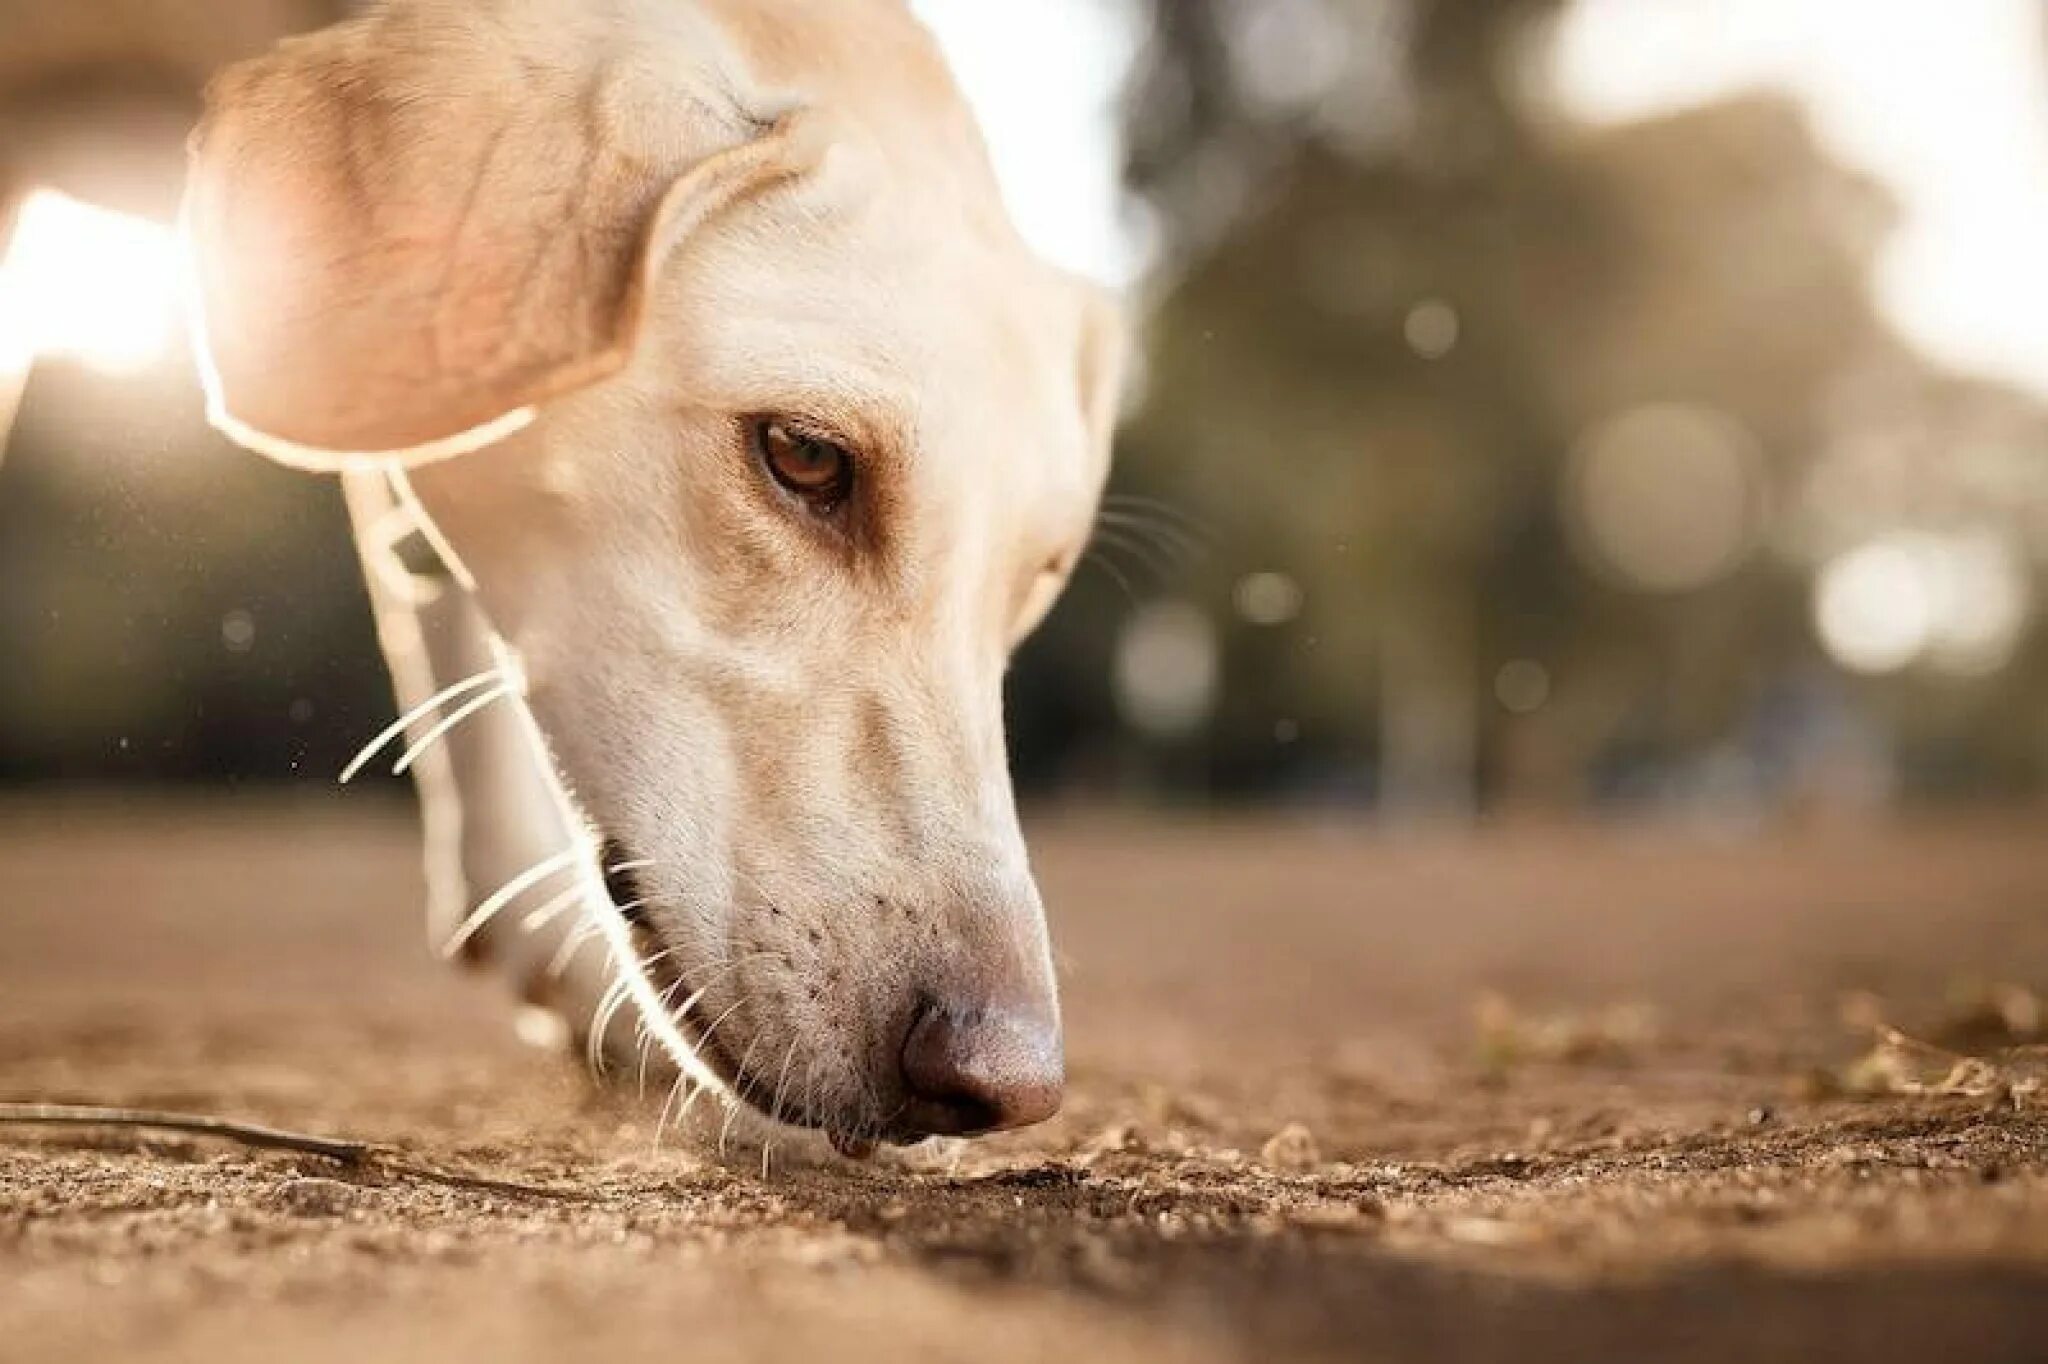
712, 440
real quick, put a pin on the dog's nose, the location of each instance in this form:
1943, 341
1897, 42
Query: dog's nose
987, 1071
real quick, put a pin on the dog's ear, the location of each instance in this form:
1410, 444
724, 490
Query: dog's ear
407, 231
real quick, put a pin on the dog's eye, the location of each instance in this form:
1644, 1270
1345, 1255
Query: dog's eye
807, 466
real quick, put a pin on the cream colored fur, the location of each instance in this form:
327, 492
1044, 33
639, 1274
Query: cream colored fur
525, 271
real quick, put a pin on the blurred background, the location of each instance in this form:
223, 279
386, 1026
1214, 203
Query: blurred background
1556, 406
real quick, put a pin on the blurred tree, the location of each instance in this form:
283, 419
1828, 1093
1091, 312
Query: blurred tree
1341, 371
1523, 407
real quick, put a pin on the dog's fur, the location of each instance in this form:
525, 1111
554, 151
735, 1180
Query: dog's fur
526, 270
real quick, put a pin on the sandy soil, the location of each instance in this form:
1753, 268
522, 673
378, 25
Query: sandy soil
1536, 1094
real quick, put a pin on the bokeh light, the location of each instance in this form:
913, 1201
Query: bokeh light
1269, 599
1168, 665
1522, 686
1957, 603
1056, 148
1432, 329
1874, 607
1667, 498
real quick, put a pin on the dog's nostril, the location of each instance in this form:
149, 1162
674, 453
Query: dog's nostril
987, 1072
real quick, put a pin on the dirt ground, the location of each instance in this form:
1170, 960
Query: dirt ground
1536, 1093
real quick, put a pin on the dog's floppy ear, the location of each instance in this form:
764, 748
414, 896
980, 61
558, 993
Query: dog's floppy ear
407, 231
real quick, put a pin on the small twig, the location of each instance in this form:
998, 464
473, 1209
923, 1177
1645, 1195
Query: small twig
257, 1137
188, 1124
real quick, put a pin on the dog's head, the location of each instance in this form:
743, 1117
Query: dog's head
719, 364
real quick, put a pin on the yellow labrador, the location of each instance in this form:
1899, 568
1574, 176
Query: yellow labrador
692, 335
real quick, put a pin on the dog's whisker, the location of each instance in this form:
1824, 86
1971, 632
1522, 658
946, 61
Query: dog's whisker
613, 923
811, 1084
695, 1092
641, 1038
505, 895
719, 973
653, 958
1095, 555
448, 723
1182, 545
775, 1106
644, 1035
593, 1033
1162, 562
1165, 534
775, 1116
668, 1103
705, 1039
609, 1003
549, 912
582, 936
391, 733
726, 970
1139, 504
740, 1073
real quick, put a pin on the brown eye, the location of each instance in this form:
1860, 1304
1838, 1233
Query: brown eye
806, 466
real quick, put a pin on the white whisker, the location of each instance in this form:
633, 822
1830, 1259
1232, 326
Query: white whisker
1150, 557
1171, 539
447, 723
643, 1036
412, 717
667, 1105
775, 1106
618, 938
506, 894
608, 1005
705, 1039
740, 1073
581, 937
695, 1093
1152, 508
549, 912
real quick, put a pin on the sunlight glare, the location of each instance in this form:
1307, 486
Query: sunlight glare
1046, 81
85, 282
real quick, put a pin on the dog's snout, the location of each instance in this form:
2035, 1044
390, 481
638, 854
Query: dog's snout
971, 1072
